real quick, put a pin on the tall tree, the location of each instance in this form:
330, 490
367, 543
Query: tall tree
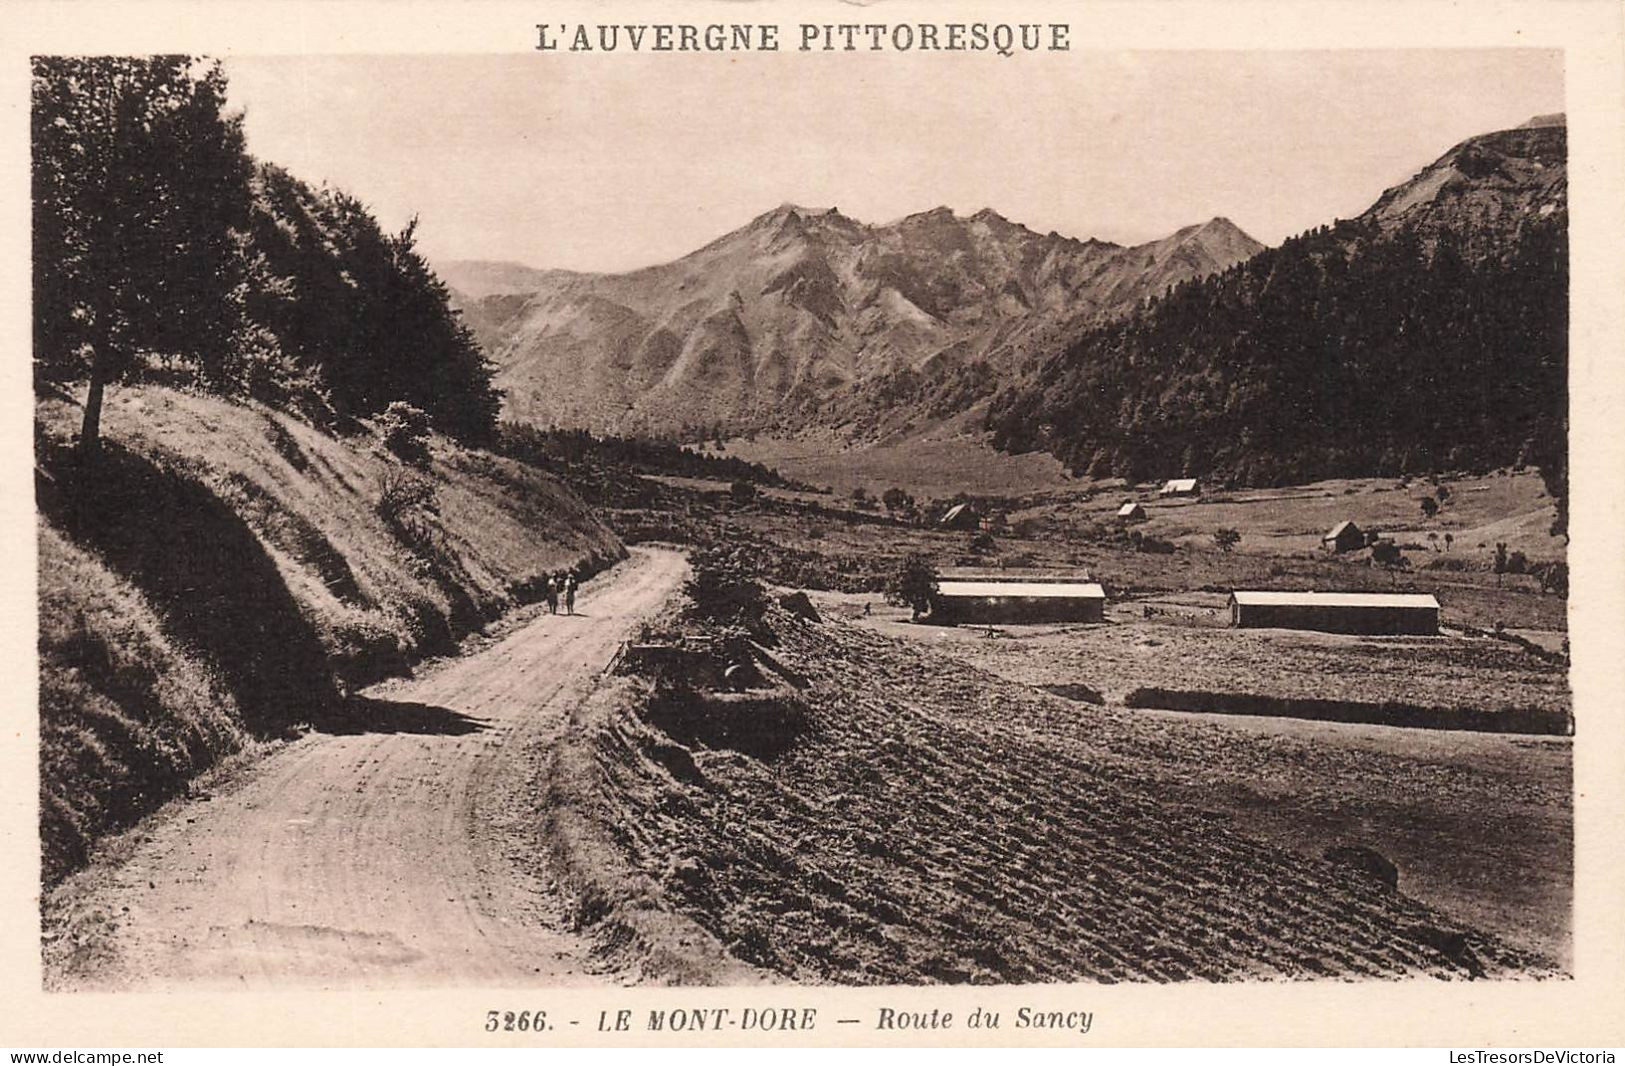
140, 187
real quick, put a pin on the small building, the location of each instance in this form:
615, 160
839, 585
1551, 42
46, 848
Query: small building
990, 600
1180, 486
960, 516
1044, 574
1343, 537
1131, 512
1373, 613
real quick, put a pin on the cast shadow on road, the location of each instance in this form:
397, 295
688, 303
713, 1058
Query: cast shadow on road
363, 714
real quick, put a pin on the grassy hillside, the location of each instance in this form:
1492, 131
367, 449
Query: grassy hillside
126, 715
225, 571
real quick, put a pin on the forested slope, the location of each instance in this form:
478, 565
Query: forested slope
1429, 333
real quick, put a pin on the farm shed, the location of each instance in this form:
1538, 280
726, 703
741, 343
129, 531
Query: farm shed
1131, 512
1343, 537
1045, 574
1180, 486
1414, 614
959, 516
1036, 600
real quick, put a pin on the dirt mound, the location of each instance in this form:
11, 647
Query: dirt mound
799, 605
763, 725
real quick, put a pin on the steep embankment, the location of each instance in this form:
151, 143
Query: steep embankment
930, 822
229, 572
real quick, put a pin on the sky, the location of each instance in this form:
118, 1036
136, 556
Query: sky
611, 162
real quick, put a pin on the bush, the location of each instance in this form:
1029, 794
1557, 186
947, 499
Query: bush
1386, 553
407, 504
1142, 542
1452, 563
723, 590
1226, 539
742, 491
405, 432
913, 585
1553, 576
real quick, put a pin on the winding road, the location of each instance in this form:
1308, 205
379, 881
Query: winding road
404, 852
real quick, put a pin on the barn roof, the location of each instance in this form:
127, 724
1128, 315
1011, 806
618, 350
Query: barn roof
1339, 529
955, 511
1032, 589
1336, 599
1047, 575
1179, 484
1129, 508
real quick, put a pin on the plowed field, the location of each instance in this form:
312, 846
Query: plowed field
937, 823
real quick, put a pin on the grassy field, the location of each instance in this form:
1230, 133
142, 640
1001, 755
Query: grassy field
946, 460
1507, 507
1479, 511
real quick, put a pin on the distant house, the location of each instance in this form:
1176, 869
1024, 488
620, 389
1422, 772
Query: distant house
960, 516
1343, 537
997, 598
1131, 512
1377, 613
1180, 486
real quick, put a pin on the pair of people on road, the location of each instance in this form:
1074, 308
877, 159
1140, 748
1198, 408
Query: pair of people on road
563, 584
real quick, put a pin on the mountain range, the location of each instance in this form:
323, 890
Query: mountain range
782, 323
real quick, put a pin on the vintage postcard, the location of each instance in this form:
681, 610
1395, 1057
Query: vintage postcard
813, 523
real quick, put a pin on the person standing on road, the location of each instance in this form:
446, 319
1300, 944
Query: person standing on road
570, 593
552, 596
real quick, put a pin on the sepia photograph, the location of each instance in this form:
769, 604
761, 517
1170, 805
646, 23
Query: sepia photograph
803, 497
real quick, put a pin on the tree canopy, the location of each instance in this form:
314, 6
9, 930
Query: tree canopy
1351, 350
162, 249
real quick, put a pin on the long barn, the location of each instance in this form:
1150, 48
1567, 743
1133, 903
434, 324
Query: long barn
1036, 599
1377, 613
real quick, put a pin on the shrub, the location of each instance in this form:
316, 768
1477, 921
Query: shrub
1142, 542
1553, 576
742, 491
1452, 563
407, 504
913, 585
1226, 539
405, 432
1386, 554
722, 589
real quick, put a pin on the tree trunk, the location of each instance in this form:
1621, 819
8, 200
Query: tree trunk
90, 434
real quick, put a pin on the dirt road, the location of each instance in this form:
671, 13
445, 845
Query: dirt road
403, 852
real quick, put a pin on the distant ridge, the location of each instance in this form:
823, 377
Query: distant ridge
787, 321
